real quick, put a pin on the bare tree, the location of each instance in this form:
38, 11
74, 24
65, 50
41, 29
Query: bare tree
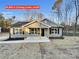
40, 16
34, 14
68, 8
59, 15
76, 4
57, 8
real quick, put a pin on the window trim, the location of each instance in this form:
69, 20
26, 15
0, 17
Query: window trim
54, 31
35, 31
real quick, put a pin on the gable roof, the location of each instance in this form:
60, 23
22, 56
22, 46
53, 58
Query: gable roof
45, 22
36, 24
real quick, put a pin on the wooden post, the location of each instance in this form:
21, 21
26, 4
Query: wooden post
48, 32
40, 32
10, 32
34, 31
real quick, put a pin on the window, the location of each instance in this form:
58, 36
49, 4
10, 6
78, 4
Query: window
31, 31
52, 31
58, 30
34, 31
55, 30
37, 31
20, 31
16, 30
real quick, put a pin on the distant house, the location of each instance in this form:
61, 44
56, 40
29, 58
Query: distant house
43, 27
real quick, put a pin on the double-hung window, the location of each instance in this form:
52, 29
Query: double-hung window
31, 31
34, 31
54, 30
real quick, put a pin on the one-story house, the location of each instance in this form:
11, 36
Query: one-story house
43, 27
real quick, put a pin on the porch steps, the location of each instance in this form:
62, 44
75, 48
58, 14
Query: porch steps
37, 39
28, 40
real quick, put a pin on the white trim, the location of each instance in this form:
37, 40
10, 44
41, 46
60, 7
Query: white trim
28, 23
36, 21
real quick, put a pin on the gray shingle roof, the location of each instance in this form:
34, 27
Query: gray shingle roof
45, 21
19, 24
51, 23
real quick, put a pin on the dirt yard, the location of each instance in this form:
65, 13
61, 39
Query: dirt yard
67, 48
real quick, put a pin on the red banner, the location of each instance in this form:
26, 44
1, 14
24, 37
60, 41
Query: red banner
22, 7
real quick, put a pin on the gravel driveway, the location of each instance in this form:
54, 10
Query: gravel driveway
67, 48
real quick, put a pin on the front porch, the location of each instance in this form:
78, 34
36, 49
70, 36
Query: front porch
33, 32
39, 32
36, 32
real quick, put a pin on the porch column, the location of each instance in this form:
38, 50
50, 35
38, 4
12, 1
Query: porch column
48, 32
11, 30
15, 30
40, 31
34, 31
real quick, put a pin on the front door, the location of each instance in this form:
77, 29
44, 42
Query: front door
42, 32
